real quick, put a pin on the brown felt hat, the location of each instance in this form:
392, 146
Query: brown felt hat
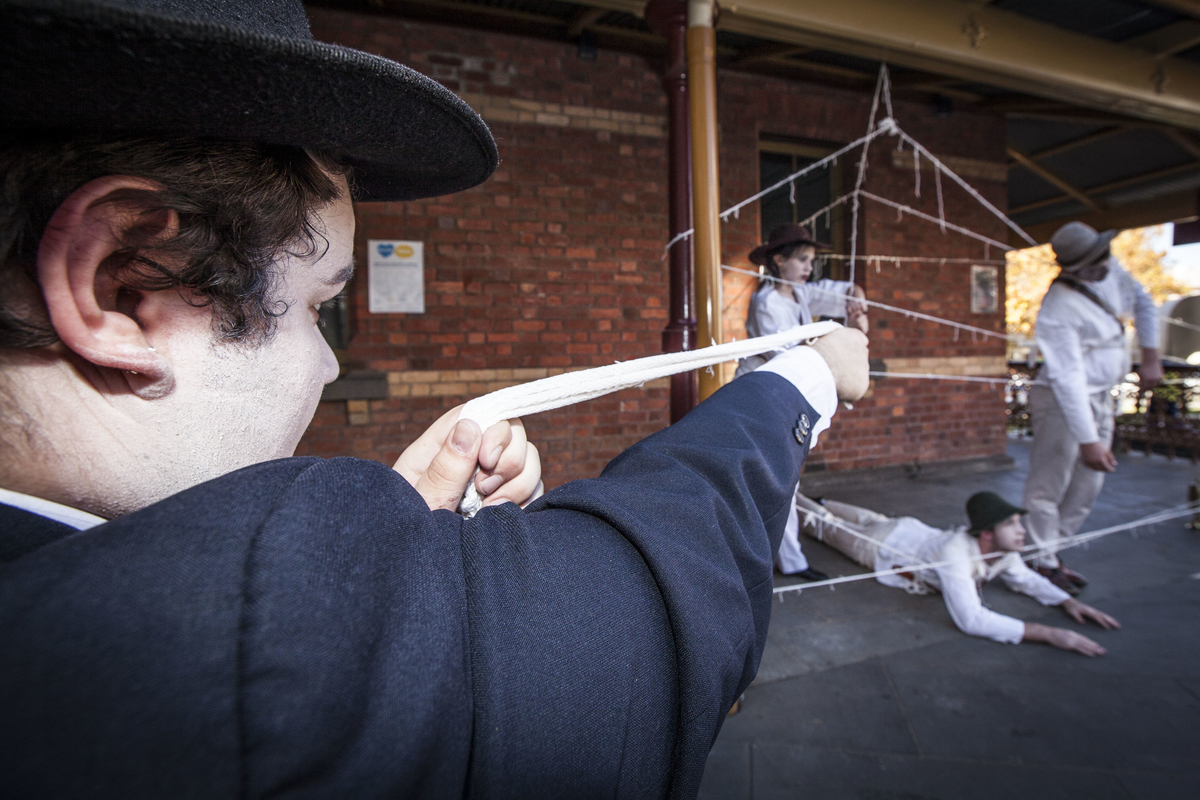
1076, 245
781, 237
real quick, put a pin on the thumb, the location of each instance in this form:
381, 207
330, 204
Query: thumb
443, 483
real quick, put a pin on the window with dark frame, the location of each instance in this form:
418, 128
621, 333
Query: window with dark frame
814, 191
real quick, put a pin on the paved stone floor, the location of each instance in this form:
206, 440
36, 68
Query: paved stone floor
867, 692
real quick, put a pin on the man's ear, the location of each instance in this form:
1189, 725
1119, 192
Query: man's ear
89, 308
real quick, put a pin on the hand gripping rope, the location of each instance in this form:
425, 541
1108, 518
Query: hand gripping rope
575, 387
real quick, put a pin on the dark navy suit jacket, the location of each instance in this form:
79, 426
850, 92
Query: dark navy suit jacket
306, 627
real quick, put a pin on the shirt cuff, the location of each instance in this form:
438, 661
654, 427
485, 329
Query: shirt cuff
805, 369
1006, 629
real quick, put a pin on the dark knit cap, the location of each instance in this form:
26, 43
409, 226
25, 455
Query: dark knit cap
987, 509
239, 70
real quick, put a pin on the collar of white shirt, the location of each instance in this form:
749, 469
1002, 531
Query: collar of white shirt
73, 517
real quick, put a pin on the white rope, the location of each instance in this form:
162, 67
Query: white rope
575, 387
1180, 323
815, 165
937, 179
929, 376
737, 207
918, 147
831, 519
882, 86
1033, 549
921, 259
914, 212
907, 312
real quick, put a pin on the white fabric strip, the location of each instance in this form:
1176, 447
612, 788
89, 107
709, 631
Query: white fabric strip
575, 387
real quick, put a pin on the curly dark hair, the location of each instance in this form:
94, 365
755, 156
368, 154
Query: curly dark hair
241, 206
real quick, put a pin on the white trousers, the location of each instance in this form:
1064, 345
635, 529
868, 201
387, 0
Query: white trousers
789, 559
1060, 489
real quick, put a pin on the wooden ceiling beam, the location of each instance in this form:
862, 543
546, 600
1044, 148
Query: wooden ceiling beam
1155, 211
1169, 39
1110, 186
1189, 7
1048, 176
768, 52
988, 45
1080, 141
583, 19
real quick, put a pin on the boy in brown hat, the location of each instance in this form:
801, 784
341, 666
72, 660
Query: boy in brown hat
790, 293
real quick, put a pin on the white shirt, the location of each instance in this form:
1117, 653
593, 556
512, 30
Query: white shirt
809, 373
771, 312
79, 520
1085, 347
912, 542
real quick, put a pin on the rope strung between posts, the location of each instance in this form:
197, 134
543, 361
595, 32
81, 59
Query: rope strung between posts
1180, 323
1029, 550
906, 312
575, 387
898, 260
929, 376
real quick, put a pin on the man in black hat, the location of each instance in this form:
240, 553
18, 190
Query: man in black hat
956, 563
1081, 336
185, 610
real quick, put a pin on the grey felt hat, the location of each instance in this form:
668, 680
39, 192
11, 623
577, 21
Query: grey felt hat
245, 70
1077, 245
987, 509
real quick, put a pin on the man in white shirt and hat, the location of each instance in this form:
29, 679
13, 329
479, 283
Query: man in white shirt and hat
956, 563
1081, 335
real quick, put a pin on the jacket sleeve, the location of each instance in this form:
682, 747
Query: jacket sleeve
699, 508
1145, 313
1058, 340
1020, 578
587, 646
967, 611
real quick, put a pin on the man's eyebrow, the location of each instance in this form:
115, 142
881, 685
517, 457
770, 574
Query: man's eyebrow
343, 275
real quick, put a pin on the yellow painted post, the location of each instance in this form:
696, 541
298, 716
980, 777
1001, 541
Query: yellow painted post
702, 103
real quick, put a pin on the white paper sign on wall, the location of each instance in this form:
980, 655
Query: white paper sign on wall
396, 276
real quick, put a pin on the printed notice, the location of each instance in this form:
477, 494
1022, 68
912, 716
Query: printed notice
396, 277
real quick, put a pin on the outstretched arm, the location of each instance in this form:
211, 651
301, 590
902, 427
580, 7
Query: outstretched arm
1062, 639
1081, 611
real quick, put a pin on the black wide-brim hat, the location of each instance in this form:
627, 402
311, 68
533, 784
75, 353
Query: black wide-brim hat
780, 237
986, 510
237, 70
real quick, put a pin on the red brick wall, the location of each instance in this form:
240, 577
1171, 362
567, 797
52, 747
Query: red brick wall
900, 421
555, 262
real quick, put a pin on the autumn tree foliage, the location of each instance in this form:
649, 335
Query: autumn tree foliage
1030, 271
